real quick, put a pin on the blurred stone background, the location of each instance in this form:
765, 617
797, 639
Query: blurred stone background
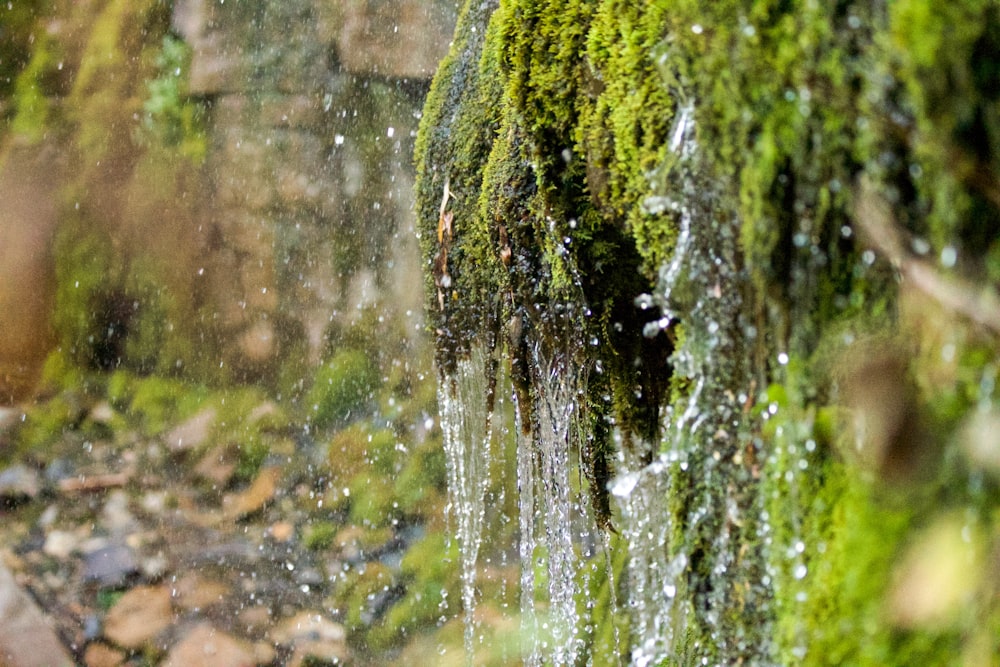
216, 190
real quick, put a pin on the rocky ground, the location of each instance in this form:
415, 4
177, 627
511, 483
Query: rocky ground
196, 538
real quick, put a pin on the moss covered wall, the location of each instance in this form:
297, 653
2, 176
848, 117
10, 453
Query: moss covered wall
778, 216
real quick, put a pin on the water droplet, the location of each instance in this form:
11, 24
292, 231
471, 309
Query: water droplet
949, 256
800, 571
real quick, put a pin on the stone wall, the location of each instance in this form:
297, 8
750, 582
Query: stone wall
277, 227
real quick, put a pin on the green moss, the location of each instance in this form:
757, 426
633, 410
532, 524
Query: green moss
791, 105
422, 482
171, 118
430, 578
30, 93
319, 535
158, 402
522, 256
342, 388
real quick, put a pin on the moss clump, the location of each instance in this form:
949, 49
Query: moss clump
428, 580
512, 213
172, 119
343, 387
319, 535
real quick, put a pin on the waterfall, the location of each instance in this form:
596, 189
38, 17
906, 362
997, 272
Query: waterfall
549, 509
467, 424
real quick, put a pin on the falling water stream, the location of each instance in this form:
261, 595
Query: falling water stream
468, 427
684, 513
548, 512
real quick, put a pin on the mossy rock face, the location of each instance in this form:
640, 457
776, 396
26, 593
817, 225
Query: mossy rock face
691, 203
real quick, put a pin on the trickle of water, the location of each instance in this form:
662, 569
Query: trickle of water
467, 428
683, 514
548, 513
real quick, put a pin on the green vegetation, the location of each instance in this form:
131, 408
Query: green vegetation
173, 119
343, 385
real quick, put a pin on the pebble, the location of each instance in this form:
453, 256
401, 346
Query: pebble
191, 433
116, 516
193, 592
102, 413
139, 616
110, 566
312, 638
19, 483
102, 655
60, 544
206, 646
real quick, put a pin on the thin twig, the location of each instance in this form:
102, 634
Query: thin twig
878, 227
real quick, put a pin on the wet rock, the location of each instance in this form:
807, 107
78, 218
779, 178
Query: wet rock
205, 646
102, 413
18, 483
312, 638
193, 592
110, 566
92, 627
26, 635
309, 576
218, 466
58, 470
191, 433
369, 44
255, 620
115, 515
139, 616
102, 655
260, 493
60, 544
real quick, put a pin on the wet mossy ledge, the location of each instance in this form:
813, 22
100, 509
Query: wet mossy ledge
763, 239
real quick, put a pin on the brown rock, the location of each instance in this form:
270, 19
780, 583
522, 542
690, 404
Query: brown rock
102, 655
194, 592
312, 637
218, 466
140, 615
26, 635
256, 497
205, 646
282, 531
410, 45
258, 343
191, 433
255, 619
29, 181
